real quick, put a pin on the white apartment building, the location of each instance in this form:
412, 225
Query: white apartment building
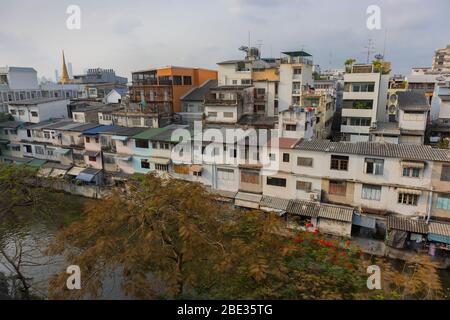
297, 123
21, 84
296, 71
364, 102
38, 110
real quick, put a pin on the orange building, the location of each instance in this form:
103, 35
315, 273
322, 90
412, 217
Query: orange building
162, 88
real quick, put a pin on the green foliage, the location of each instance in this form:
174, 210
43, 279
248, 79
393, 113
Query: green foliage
5, 117
443, 144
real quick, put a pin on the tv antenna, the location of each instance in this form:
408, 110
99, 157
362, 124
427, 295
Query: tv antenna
370, 49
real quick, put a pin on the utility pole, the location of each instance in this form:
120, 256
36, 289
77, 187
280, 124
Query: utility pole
370, 49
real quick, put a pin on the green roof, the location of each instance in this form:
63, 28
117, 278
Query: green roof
149, 133
300, 53
36, 163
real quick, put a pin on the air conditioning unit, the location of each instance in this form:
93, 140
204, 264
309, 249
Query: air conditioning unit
392, 104
314, 196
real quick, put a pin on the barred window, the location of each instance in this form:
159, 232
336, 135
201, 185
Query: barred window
304, 162
304, 186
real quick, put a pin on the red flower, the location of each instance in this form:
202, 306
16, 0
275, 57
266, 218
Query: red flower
316, 231
309, 225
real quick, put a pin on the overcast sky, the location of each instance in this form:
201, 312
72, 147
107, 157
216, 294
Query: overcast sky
137, 34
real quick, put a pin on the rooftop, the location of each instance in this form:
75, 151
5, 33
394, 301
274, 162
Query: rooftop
299, 53
378, 149
149, 133
198, 93
100, 129
412, 101
10, 124
32, 102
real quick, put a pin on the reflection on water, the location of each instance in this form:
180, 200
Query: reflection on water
33, 238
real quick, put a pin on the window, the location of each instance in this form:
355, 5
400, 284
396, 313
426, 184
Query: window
276, 182
251, 177
297, 70
370, 192
21, 112
145, 164
408, 199
413, 116
285, 157
235, 82
358, 122
233, 153
338, 188
411, 172
162, 167
272, 156
374, 166
358, 104
225, 174
443, 202
164, 146
228, 114
142, 144
445, 173
92, 159
39, 150
246, 81
34, 114
28, 148
13, 112
304, 162
78, 157
212, 114
339, 163
304, 186
187, 80
96, 140
177, 80
5, 132
291, 127
88, 140
109, 159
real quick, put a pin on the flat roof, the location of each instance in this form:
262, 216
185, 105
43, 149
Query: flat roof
36, 101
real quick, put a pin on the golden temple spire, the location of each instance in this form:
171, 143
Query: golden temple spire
65, 74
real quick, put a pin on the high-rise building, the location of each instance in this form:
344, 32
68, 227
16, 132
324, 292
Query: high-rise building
364, 104
441, 60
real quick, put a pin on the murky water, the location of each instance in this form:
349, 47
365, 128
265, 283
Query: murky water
34, 237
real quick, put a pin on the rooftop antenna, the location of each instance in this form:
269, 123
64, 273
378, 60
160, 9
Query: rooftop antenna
385, 40
370, 49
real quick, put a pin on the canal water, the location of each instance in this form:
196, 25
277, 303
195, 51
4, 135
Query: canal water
34, 236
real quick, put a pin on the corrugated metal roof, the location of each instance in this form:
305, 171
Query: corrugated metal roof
344, 214
441, 229
407, 224
274, 203
404, 151
251, 197
198, 93
303, 208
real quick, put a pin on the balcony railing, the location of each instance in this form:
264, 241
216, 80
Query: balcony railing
212, 101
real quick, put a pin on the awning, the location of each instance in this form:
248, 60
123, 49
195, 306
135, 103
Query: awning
364, 221
75, 171
274, 203
441, 229
57, 173
124, 158
196, 168
303, 208
36, 163
407, 224
86, 177
62, 152
91, 153
409, 191
157, 160
337, 213
44, 172
247, 200
120, 138
410, 164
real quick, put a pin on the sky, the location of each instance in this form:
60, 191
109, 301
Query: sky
139, 34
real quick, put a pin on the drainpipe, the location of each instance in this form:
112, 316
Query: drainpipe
430, 202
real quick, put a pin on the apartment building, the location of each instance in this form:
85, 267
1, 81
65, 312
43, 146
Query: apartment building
38, 110
297, 123
227, 104
364, 101
441, 60
193, 107
323, 103
161, 89
296, 70
262, 73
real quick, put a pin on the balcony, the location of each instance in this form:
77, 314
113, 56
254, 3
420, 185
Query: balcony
261, 98
220, 102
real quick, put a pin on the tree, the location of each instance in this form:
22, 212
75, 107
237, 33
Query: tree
5, 117
348, 64
171, 239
